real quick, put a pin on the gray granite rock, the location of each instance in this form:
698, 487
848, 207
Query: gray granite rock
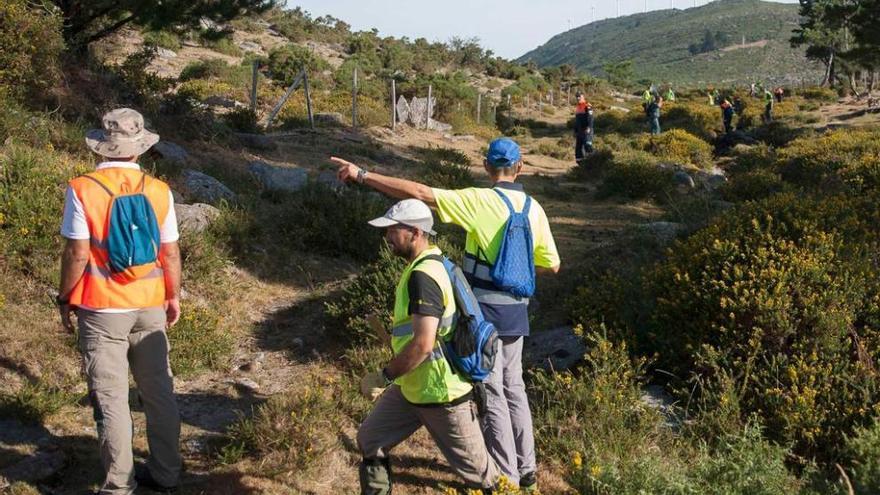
271, 177
202, 188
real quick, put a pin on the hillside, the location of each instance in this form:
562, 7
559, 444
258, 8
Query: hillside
657, 42
714, 328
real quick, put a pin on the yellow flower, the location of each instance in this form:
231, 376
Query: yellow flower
23, 231
576, 460
2, 218
595, 470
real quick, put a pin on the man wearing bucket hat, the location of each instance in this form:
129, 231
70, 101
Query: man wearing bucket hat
120, 275
484, 214
420, 386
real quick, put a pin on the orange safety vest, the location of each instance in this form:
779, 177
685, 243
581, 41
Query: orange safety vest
97, 288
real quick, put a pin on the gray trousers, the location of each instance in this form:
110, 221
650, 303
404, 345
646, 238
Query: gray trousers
110, 343
454, 428
507, 424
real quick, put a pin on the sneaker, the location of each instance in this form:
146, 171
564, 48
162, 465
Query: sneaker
145, 479
528, 483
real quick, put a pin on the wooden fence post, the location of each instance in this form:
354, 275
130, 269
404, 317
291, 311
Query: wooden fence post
428, 109
393, 104
479, 106
254, 78
284, 98
308, 99
354, 99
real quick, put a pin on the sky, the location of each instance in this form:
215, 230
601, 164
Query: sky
509, 28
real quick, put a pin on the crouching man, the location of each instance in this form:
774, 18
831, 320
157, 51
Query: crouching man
419, 387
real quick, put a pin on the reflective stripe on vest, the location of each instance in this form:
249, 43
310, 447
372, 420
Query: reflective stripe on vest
433, 381
479, 275
97, 288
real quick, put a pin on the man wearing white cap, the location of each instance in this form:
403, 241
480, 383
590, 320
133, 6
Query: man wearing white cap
418, 387
120, 274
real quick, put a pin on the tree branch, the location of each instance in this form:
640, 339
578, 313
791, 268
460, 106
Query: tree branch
109, 29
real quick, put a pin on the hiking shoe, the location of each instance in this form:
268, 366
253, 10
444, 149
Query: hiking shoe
145, 479
528, 483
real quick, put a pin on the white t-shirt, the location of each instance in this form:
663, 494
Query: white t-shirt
74, 225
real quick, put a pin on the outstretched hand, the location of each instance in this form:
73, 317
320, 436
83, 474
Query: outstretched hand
347, 171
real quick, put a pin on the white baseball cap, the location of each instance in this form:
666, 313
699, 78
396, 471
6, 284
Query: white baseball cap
410, 212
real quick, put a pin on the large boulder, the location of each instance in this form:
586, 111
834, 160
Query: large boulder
196, 217
171, 152
273, 178
329, 179
683, 179
202, 188
556, 349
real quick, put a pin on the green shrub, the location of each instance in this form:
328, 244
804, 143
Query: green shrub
779, 133
287, 61
847, 160
818, 93
242, 120
199, 341
31, 43
201, 89
561, 149
769, 297
752, 158
635, 175
864, 450
32, 183
225, 46
205, 69
678, 146
695, 118
289, 434
445, 168
757, 184
34, 402
163, 39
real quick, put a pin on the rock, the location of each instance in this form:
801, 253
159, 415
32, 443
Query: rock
174, 153
463, 137
439, 126
665, 232
178, 198
165, 53
329, 179
208, 24
330, 118
655, 397
683, 179
256, 141
246, 385
250, 46
298, 343
196, 217
619, 109
203, 188
557, 349
274, 178
221, 101
251, 366
712, 179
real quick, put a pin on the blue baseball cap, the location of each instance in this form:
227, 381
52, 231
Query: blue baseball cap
503, 152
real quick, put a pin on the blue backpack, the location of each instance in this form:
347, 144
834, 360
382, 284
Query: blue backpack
471, 349
132, 232
514, 269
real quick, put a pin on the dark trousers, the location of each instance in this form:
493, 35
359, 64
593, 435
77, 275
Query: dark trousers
655, 125
728, 125
583, 144
768, 113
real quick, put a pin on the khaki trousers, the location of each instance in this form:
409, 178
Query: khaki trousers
110, 344
455, 429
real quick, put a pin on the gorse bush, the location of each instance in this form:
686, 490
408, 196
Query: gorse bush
445, 168
863, 448
162, 39
695, 118
774, 298
30, 47
198, 341
839, 160
678, 146
757, 184
635, 175
286, 62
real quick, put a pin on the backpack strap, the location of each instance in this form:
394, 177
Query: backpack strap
510, 205
102, 181
433, 257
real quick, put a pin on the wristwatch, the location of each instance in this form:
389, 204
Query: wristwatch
361, 175
388, 380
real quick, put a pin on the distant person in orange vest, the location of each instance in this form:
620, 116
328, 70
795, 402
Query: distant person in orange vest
780, 94
120, 275
583, 128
